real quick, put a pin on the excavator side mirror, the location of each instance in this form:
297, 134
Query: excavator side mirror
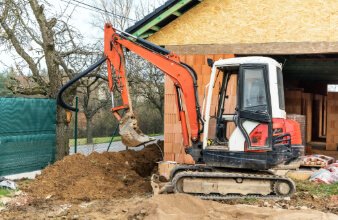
210, 62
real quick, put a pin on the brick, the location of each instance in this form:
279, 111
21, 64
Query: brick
172, 126
178, 138
177, 147
225, 56
332, 122
169, 86
188, 159
169, 137
211, 56
217, 57
199, 60
189, 60
170, 118
169, 156
182, 58
168, 147
178, 128
293, 100
179, 158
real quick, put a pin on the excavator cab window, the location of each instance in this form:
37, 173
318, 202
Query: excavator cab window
254, 93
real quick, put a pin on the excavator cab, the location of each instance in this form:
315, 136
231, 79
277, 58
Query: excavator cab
260, 137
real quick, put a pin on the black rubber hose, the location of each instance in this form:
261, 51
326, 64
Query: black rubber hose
59, 99
152, 46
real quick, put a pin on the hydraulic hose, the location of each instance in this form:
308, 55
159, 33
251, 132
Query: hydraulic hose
59, 99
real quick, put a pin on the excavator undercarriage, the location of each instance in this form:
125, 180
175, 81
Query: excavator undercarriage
220, 184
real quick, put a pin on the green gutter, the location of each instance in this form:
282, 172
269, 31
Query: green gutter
161, 17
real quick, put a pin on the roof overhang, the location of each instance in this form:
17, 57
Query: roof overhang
163, 15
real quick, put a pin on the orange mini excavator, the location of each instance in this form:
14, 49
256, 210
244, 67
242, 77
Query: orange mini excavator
245, 164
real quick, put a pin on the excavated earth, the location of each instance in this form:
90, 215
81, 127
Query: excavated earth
108, 175
117, 186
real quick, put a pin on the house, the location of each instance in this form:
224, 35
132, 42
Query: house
302, 35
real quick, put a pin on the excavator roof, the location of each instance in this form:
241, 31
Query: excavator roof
246, 60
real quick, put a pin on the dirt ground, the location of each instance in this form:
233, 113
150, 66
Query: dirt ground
108, 175
117, 186
166, 207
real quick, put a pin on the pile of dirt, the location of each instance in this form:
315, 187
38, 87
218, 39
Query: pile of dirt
182, 206
97, 176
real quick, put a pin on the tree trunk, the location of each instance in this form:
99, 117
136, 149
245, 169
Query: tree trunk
89, 128
62, 134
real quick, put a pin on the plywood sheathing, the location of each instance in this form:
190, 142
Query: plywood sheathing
253, 21
332, 121
173, 142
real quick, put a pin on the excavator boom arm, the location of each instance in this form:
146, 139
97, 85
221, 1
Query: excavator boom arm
182, 75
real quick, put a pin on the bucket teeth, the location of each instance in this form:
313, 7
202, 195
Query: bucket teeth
131, 135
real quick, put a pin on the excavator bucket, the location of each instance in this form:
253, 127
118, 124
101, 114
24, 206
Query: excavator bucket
131, 134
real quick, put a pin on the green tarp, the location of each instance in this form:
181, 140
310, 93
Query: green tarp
27, 134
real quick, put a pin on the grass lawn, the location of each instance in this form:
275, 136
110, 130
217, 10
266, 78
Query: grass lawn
316, 189
5, 192
100, 140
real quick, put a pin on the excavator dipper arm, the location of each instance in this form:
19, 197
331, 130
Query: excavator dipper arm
183, 76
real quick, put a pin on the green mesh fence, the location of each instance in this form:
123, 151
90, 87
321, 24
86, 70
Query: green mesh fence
27, 134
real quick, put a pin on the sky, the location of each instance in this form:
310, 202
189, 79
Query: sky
82, 17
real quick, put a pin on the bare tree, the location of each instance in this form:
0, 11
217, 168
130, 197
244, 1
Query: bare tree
94, 96
118, 12
145, 80
43, 43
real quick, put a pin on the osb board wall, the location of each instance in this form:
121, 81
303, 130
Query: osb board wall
173, 146
332, 121
253, 21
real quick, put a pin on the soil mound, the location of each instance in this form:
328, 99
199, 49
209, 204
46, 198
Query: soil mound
182, 206
98, 176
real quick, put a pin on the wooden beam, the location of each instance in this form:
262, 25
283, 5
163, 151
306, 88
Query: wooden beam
161, 17
155, 28
177, 13
277, 48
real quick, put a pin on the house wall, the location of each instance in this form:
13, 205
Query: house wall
253, 21
173, 142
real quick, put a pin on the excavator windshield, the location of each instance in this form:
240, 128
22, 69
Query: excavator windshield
254, 90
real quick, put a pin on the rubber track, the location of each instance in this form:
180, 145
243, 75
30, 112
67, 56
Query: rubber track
274, 178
